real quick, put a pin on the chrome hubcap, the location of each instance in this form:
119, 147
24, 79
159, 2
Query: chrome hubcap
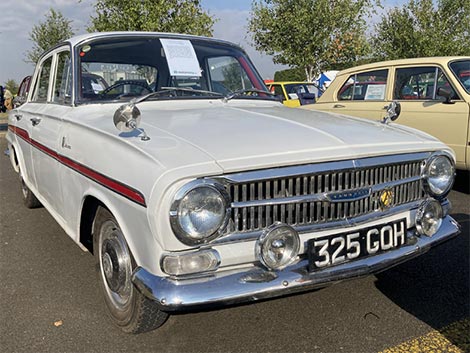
115, 265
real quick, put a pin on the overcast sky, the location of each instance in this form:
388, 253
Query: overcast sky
19, 16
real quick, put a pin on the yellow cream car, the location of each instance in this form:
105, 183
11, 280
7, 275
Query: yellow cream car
295, 94
434, 95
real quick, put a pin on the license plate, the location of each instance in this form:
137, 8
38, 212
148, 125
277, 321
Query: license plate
338, 248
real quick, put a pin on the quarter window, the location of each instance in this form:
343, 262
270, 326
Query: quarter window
42, 84
63, 82
421, 83
370, 85
227, 75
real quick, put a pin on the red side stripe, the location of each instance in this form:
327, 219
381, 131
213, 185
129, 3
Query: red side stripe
116, 186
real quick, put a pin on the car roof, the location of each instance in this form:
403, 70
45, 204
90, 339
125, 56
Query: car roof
83, 38
97, 35
443, 60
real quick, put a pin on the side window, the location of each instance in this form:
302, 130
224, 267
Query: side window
42, 83
63, 80
443, 82
370, 85
227, 75
420, 83
278, 91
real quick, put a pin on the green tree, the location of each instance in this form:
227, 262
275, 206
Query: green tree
294, 74
311, 34
424, 28
12, 86
180, 16
45, 35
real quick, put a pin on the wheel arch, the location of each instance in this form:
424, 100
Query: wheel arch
132, 221
89, 207
14, 158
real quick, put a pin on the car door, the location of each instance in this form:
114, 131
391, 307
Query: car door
23, 123
362, 94
416, 88
45, 116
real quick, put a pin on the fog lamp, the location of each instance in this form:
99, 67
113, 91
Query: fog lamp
278, 246
429, 218
190, 263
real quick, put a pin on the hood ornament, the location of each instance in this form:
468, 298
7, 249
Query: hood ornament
127, 119
393, 112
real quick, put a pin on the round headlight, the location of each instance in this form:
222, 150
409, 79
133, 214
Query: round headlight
199, 212
429, 218
438, 175
278, 246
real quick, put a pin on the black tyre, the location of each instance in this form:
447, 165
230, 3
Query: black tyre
29, 199
128, 308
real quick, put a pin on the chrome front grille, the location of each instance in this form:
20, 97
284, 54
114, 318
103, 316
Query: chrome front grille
302, 200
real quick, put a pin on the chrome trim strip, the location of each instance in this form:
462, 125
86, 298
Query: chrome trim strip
300, 170
250, 284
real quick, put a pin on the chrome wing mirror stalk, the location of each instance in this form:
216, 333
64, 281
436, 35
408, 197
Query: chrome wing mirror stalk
393, 112
127, 119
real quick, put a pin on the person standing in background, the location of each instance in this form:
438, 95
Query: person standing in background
8, 99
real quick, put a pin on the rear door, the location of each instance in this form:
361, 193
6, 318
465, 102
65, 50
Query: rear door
46, 125
416, 87
363, 94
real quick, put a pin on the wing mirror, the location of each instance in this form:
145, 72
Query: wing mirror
393, 112
127, 119
446, 93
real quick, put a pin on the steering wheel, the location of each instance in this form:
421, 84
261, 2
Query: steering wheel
126, 82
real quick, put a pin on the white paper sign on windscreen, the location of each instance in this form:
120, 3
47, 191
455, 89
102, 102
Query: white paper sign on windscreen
181, 57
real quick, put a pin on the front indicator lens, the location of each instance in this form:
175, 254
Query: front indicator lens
191, 263
429, 218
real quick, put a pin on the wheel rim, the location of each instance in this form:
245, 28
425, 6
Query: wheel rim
115, 265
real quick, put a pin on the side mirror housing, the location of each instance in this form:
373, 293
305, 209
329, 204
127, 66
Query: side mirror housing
446, 93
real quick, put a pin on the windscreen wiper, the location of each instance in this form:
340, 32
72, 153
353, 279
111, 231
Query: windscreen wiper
166, 90
247, 90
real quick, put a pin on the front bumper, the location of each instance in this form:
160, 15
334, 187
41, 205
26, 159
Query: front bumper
243, 285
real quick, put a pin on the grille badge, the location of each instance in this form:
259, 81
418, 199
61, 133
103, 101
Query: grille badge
348, 195
386, 198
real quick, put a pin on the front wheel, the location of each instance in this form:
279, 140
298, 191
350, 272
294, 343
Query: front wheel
128, 308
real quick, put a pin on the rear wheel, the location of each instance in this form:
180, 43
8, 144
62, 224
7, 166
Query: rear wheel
128, 308
29, 199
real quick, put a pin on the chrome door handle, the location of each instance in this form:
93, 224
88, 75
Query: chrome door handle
18, 117
338, 106
35, 121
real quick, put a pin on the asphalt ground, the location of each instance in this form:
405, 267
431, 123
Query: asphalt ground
50, 300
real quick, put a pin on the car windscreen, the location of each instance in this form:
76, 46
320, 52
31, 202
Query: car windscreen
461, 70
124, 68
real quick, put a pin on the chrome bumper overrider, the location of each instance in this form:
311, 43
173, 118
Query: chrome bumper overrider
228, 287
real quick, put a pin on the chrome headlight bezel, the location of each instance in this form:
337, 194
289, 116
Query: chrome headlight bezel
175, 212
425, 175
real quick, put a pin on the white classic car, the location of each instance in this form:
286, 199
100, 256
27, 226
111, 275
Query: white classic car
167, 158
